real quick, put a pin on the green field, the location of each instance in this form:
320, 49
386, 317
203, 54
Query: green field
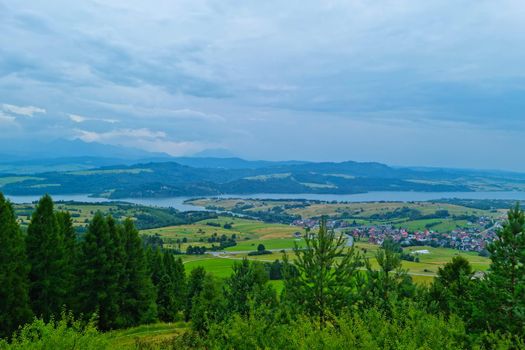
244, 229
14, 179
147, 334
422, 272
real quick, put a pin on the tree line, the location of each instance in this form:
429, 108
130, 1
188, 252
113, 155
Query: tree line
332, 298
106, 273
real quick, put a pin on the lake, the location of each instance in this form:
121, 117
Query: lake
178, 202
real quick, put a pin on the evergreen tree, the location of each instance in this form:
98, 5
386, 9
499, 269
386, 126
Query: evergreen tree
195, 286
323, 280
208, 305
69, 238
47, 257
14, 269
451, 291
390, 282
501, 296
138, 295
171, 291
166, 299
246, 283
178, 276
98, 289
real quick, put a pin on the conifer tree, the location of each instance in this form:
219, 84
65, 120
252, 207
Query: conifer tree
451, 291
322, 283
245, 283
69, 238
195, 286
175, 269
390, 283
501, 296
138, 295
14, 269
47, 258
98, 278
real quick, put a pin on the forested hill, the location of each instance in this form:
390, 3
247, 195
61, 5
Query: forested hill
212, 176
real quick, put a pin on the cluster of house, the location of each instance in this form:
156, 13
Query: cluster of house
472, 238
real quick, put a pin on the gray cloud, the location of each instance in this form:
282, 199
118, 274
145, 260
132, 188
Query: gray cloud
261, 78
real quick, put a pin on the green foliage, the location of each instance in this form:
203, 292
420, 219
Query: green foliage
324, 278
208, 306
14, 269
391, 283
171, 287
64, 334
137, 295
99, 273
48, 260
451, 291
411, 328
195, 286
502, 294
248, 284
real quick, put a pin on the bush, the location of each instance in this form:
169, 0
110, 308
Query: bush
66, 333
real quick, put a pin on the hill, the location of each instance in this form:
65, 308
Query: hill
214, 176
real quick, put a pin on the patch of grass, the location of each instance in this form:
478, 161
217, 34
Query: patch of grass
146, 334
15, 179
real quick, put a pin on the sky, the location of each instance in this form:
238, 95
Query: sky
426, 83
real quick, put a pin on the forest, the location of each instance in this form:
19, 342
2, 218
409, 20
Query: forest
60, 289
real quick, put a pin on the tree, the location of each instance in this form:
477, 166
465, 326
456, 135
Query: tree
98, 289
14, 269
261, 248
137, 295
175, 269
391, 282
195, 286
208, 306
502, 294
244, 285
70, 244
171, 290
323, 280
451, 291
48, 259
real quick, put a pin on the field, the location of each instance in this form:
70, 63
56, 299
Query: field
244, 229
311, 209
220, 263
147, 334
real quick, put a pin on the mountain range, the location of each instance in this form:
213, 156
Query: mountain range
117, 172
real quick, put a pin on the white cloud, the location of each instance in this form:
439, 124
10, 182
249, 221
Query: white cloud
118, 135
27, 111
81, 119
153, 141
7, 119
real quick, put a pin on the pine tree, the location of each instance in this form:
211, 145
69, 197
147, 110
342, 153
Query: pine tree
390, 282
98, 277
14, 269
322, 282
175, 269
195, 286
46, 255
451, 291
208, 305
138, 295
69, 238
502, 295
246, 281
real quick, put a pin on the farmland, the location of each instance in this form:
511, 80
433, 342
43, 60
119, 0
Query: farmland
279, 238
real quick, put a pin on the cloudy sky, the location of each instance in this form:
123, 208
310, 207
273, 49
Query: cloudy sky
435, 83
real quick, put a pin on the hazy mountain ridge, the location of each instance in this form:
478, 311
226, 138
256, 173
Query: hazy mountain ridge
213, 176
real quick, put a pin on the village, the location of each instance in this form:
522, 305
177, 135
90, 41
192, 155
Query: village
474, 238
